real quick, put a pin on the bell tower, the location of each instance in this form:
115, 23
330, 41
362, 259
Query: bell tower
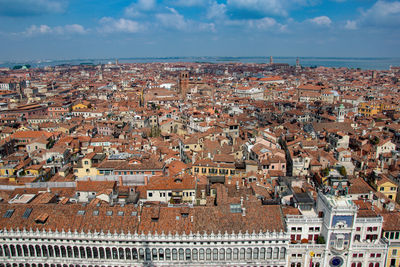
183, 84
341, 113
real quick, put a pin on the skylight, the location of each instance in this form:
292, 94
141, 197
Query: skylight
8, 214
27, 213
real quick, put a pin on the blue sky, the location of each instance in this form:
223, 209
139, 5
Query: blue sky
69, 29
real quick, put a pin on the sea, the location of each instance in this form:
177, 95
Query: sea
373, 63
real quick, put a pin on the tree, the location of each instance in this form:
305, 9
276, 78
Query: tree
374, 140
325, 172
320, 239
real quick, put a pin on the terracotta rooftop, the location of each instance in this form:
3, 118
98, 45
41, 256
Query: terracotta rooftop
125, 219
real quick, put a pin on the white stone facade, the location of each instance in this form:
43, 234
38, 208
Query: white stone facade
73, 249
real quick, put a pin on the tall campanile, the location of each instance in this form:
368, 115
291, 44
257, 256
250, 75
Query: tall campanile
183, 83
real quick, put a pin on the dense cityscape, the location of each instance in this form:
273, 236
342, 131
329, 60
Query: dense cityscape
239, 164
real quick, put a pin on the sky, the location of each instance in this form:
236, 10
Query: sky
81, 29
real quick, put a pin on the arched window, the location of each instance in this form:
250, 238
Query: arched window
248, 253
255, 253
24, 248
242, 253
201, 254
121, 254
208, 254
154, 254
188, 254
317, 264
76, 252
63, 252
141, 254
221, 254
19, 250
57, 251
353, 264
51, 251
215, 254
269, 253
148, 254
229, 254
262, 253
12, 250
127, 254
371, 265
359, 264
276, 253
293, 264
377, 264
195, 255
108, 253
134, 254
82, 252
283, 253
181, 254
44, 251
114, 253
167, 254
161, 254
69, 252
298, 264
235, 254
174, 254
38, 251
88, 252
31, 251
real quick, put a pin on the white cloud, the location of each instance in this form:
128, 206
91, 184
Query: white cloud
135, 9
174, 20
275, 7
351, 25
111, 25
59, 30
266, 7
264, 23
42, 29
216, 11
207, 27
75, 28
321, 21
382, 13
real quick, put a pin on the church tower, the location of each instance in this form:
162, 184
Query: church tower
340, 116
183, 84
